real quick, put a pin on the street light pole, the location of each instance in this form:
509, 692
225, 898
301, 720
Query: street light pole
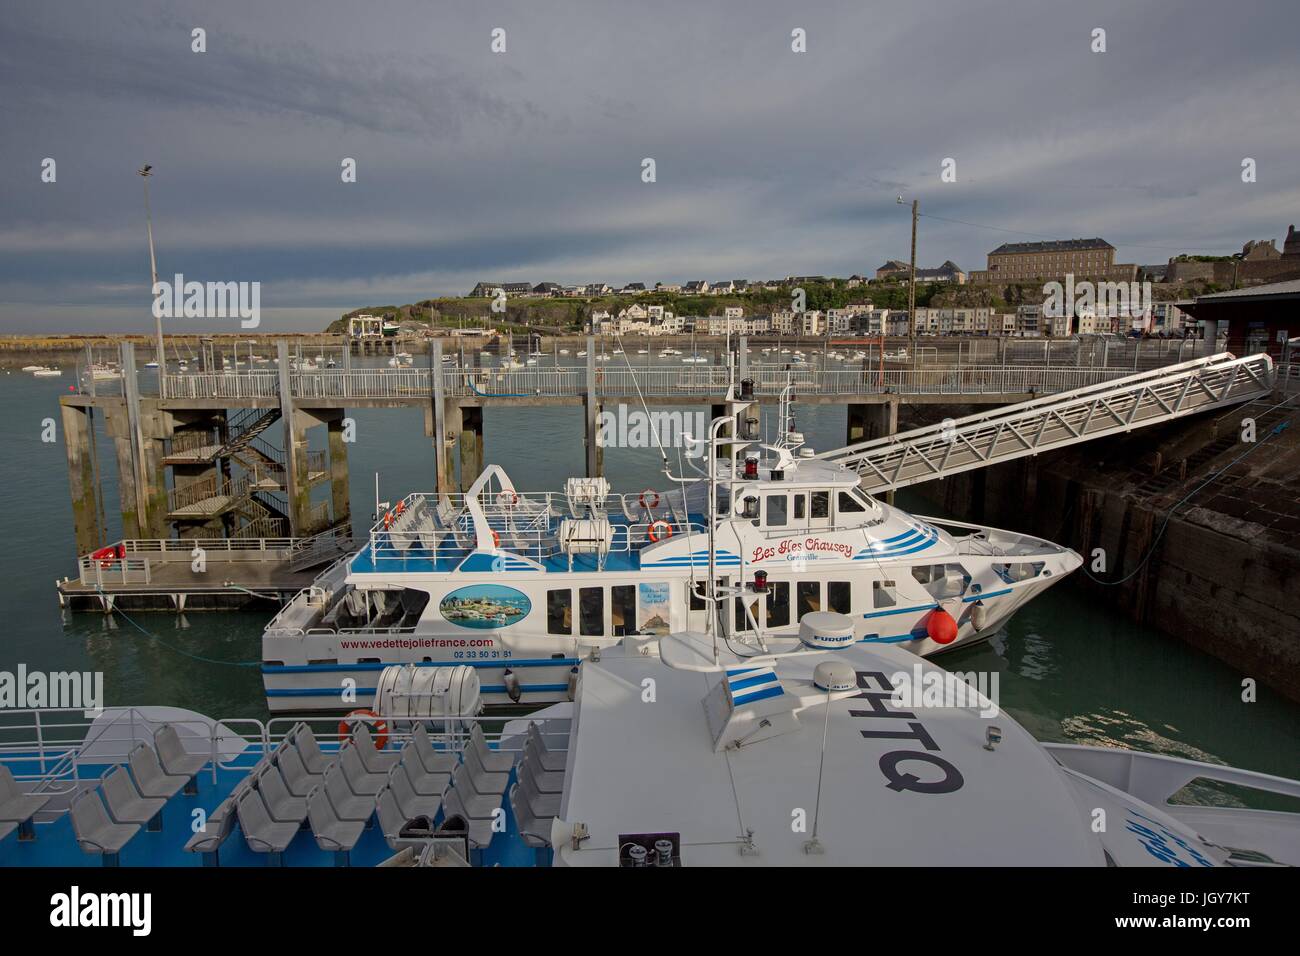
911, 292
145, 172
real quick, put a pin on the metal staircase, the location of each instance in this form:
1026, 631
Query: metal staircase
1058, 421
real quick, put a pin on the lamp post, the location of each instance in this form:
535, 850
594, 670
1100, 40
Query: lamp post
145, 172
911, 289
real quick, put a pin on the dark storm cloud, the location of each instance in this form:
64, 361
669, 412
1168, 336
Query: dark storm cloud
526, 165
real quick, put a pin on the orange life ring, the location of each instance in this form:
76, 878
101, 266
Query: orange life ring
496, 540
654, 503
661, 523
378, 726
508, 499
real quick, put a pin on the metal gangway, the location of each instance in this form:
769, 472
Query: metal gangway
1056, 421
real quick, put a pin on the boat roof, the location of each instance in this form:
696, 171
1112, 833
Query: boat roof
651, 767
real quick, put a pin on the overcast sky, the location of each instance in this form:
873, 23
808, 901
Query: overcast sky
526, 165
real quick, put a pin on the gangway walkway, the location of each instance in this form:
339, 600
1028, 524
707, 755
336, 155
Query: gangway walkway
1057, 421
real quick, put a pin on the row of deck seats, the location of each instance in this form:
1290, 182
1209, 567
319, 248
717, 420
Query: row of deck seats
535, 796
18, 808
298, 785
106, 817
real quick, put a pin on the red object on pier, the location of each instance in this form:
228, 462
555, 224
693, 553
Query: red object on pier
941, 626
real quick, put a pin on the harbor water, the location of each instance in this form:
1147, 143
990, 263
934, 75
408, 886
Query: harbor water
1069, 668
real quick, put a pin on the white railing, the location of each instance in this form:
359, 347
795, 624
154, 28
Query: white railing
98, 572
615, 380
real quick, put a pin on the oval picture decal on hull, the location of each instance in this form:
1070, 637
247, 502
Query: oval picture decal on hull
485, 606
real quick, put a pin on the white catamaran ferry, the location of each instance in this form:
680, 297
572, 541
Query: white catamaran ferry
518, 585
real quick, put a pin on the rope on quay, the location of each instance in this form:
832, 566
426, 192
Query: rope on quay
1277, 429
172, 647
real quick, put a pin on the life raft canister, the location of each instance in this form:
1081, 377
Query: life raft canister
659, 530
941, 626
378, 726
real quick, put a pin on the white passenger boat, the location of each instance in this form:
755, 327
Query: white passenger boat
514, 583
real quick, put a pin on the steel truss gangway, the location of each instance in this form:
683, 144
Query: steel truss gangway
1057, 421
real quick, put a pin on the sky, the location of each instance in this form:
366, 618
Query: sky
527, 165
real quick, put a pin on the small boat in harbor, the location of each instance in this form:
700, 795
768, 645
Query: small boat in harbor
47, 372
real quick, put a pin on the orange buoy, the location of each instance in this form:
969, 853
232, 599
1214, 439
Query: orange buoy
941, 626
660, 530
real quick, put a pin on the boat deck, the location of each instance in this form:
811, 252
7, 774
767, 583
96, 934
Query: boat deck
56, 845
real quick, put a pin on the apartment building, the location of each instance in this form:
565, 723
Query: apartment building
1045, 261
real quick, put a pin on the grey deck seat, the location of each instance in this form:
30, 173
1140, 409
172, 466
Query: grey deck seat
173, 756
412, 803
477, 806
261, 833
535, 744
393, 820
424, 783
348, 805
296, 776
552, 782
216, 830
433, 760
313, 757
125, 805
333, 834
492, 760
540, 805
150, 778
485, 782
17, 807
282, 805
533, 830
358, 777
374, 759
478, 829
95, 832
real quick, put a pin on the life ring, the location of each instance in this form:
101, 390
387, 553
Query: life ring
496, 540
661, 523
378, 726
654, 503
508, 499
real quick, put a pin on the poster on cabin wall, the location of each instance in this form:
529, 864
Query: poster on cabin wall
652, 609
485, 606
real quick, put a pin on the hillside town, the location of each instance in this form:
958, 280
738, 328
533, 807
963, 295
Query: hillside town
1126, 299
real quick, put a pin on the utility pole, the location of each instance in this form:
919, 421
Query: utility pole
145, 172
911, 292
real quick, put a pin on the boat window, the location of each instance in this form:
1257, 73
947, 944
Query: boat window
777, 509
883, 594
942, 580
848, 504
559, 612
778, 604
622, 609
1022, 571
800, 507
839, 596
591, 611
810, 598
697, 596
742, 621
821, 504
